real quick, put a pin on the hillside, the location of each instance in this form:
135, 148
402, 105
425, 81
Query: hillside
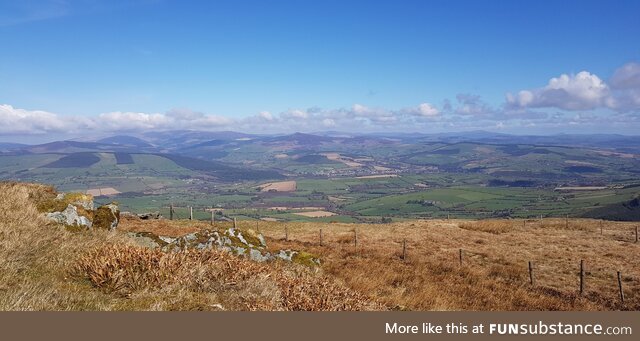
46, 267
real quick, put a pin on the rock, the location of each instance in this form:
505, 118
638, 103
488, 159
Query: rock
107, 217
245, 243
70, 217
299, 257
148, 215
147, 239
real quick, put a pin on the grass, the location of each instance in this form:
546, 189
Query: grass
494, 273
45, 267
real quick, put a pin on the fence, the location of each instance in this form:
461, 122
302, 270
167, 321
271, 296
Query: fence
358, 245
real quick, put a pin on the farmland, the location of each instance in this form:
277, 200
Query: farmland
363, 178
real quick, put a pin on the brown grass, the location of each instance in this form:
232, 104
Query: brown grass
494, 275
230, 281
45, 267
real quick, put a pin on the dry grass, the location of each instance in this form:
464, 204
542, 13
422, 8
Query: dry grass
34, 255
494, 275
45, 267
490, 226
218, 276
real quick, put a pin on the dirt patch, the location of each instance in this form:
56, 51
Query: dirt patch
106, 191
316, 214
282, 186
340, 158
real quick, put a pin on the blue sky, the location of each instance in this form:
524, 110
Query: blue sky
277, 66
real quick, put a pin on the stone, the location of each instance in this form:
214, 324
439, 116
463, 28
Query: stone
70, 217
106, 217
150, 215
147, 239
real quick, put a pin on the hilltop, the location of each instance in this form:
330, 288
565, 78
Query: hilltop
48, 267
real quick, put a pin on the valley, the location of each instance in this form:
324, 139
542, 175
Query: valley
360, 178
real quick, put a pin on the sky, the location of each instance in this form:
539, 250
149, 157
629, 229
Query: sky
97, 67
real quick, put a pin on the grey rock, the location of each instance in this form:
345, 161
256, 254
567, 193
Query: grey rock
69, 217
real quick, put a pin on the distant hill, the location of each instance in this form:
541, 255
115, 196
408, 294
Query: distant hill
221, 171
6, 146
125, 140
302, 139
626, 211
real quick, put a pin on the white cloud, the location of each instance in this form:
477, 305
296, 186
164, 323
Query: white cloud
626, 77
427, 110
118, 120
423, 110
583, 91
625, 83
295, 114
265, 115
20, 121
327, 122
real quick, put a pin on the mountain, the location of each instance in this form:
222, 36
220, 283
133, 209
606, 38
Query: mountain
625, 211
302, 139
125, 140
8, 146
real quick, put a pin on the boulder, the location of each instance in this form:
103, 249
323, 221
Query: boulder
147, 239
70, 217
106, 217
299, 257
246, 243
150, 215
76, 212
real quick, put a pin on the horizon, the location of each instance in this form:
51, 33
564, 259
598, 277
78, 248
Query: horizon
83, 69
44, 139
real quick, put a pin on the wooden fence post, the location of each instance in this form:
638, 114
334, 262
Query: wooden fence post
601, 223
636, 234
566, 222
286, 233
355, 239
620, 288
404, 250
213, 217
581, 277
320, 237
235, 222
171, 211
531, 273
190, 213
460, 256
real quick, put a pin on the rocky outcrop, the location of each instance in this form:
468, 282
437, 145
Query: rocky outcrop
150, 215
245, 243
107, 217
70, 217
75, 211
147, 239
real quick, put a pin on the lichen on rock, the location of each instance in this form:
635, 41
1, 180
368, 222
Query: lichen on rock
147, 239
246, 243
107, 217
70, 217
